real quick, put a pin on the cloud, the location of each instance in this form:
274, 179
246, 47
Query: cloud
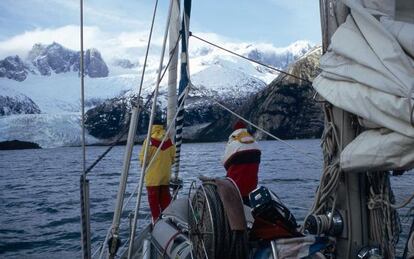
126, 44
111, 45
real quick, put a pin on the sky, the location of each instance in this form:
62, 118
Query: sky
120, 28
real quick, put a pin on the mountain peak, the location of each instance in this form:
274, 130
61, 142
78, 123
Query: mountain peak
13, 67
124, 63
278, 57
46, 59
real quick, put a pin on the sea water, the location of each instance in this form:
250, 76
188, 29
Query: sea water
39, 191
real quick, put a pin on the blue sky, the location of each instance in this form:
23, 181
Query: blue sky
278, 22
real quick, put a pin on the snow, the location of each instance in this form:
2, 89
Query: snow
216, 73
60, 93
47, 130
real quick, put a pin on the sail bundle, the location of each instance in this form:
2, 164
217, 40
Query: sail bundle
368, 70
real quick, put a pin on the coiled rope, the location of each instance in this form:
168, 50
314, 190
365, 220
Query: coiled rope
213, 231
385, 225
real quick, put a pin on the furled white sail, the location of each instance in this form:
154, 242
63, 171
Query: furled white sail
174, 34
369, 71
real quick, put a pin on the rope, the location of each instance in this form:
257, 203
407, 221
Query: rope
376, 201
223, 242
249, 59
105, 243
326, 194
409, 246
385, 225
315, 159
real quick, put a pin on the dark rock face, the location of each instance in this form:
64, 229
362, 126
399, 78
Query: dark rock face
13, 68
17, 144
56, 58
53, 57
17, 105
125, 63
111, 118
108, 119
286, 107
45, 59
95, 66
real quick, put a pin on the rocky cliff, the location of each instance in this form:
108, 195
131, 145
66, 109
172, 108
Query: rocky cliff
49, 78
13, 102
13, 67
17, 105
286, 107
54, 58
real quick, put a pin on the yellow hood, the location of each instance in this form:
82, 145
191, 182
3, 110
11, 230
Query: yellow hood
157, 132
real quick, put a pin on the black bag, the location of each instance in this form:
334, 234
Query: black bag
274, 219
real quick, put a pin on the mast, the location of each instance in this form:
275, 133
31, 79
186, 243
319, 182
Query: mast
184, 82
351, 193
174, 34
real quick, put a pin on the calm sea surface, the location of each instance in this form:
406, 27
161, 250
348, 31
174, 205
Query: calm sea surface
39, 191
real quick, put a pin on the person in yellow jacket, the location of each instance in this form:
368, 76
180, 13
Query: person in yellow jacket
157, 177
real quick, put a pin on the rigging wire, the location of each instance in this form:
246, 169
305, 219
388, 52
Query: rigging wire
146, 146
149, 164
313, 158
125, 129
82, 75
129, 149
84, 183
251, 60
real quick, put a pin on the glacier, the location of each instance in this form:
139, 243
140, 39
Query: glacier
57, 96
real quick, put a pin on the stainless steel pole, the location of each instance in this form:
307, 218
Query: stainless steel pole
153, 109
84, 183
129, 149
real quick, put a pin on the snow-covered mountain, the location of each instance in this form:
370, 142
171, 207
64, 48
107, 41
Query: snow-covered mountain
46, 83
13, 102
54, 58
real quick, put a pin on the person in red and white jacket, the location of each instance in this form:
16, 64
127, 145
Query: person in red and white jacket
241, 160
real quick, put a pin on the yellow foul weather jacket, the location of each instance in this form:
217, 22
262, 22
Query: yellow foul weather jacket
159, 172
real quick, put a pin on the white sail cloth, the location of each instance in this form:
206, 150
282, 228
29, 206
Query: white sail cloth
369, 72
